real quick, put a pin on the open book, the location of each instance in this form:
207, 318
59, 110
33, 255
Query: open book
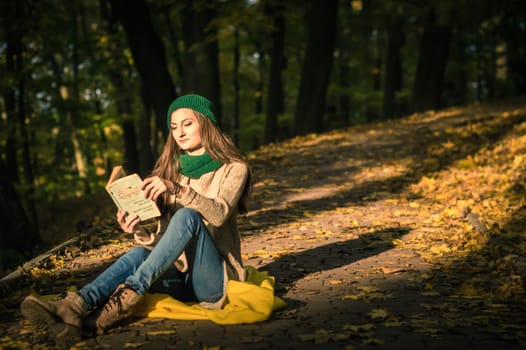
126, 193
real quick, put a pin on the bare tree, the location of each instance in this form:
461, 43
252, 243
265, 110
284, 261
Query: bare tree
317, 65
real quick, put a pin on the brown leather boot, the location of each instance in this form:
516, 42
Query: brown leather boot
118, 308
67, 310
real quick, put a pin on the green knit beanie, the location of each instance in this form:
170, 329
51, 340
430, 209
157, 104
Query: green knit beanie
196, 102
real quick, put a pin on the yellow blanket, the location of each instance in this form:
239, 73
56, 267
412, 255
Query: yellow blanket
248, 302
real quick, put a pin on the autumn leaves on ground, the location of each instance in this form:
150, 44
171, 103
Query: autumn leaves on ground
446, 186
453, 181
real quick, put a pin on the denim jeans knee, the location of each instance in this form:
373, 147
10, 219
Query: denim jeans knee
207, 269
186, 214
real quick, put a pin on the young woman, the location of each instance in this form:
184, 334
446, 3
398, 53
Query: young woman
201, 183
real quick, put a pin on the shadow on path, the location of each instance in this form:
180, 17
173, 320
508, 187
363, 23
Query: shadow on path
412, 141
293, 267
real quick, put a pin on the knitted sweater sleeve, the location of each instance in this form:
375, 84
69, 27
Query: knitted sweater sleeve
217, 210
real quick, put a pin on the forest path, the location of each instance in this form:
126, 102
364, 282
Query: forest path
407, 234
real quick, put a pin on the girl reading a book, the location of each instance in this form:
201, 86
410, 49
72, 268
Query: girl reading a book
201, 182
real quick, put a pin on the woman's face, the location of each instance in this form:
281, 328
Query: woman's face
186, 131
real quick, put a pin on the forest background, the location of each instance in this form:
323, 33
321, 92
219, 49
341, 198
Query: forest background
86, 84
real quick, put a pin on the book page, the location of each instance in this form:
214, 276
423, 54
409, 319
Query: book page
116, 173
127, 195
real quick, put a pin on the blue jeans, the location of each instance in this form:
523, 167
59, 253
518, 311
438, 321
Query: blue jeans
153, 270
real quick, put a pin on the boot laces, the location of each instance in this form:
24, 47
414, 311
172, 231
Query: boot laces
116, 299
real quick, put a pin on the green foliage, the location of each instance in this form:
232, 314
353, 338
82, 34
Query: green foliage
252, 130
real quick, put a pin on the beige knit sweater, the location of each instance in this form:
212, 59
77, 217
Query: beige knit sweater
215, 196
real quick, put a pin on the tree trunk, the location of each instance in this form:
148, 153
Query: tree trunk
344, 71
123, 97
432, 61
29, 194
131, 154
235, 86
148, 55
174, 38
201, 66
146, 157
16, 114
260, 85
74, 113
393, 68
69, 130
104, 159
310, 106
514, 33
275, 95
456, 89
10, 122
16, 230
368, 33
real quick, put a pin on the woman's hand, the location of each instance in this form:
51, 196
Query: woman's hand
155, 186
128, 224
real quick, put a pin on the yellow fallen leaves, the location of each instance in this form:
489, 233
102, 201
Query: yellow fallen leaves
512, 289
378, 314
353, 222
251, 339
430, 164
427, 183
433, 252
424, 325
360, 333
414, 205
162, 332
9, 343
467, 163
360, 328
388, 270
263, 253
453, 212
335, 282
322, 336
38, 272
473, 288
324, 233
440, 249
518, 160
368, 293
383, 315
449, 145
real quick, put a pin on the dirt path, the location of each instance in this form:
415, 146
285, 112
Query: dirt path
401, 235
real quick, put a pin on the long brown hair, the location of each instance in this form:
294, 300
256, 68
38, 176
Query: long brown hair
218, 145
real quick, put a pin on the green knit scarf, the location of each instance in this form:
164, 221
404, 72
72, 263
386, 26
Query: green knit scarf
195, 166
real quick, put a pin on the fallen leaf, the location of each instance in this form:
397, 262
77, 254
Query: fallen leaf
378, 313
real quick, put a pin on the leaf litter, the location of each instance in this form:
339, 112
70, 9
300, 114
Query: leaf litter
439, 196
